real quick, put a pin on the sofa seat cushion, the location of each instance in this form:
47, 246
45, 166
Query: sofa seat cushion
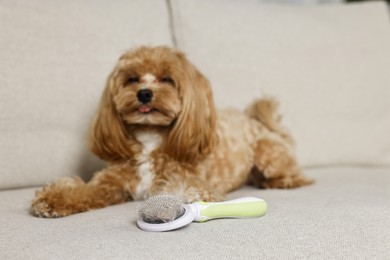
345, 215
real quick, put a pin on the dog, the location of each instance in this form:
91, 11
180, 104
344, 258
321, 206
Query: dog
159, 131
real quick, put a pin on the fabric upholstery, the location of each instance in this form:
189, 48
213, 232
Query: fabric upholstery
328, 66
345, 215
55, 58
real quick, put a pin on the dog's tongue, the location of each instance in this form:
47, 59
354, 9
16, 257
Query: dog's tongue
144, 109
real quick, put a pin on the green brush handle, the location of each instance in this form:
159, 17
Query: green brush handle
248, 207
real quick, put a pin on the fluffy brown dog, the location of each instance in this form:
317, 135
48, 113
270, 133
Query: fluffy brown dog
158, 129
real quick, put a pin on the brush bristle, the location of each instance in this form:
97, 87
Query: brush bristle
161, 208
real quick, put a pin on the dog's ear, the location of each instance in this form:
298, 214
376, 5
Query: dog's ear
108, 136
193, 133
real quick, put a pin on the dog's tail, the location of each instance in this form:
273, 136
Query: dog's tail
265, 110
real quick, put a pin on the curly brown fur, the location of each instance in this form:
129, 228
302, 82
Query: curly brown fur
158, 129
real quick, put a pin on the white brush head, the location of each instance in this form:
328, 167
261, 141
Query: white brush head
161, 208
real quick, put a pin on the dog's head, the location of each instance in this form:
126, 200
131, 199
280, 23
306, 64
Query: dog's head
155, 87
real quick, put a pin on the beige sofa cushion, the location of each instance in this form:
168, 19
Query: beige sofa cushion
345, 215
328, 65
55, 57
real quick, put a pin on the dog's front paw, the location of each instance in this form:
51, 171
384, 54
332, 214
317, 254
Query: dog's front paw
47, 204
211, 196
44, 209
57, 199
202, 195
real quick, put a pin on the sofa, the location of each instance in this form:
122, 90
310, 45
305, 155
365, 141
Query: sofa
328, 65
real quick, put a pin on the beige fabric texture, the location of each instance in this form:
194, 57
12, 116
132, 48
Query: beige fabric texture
56, 55
345, 215
55, 58
328, 65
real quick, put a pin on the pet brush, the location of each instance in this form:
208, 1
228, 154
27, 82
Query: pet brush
167, 212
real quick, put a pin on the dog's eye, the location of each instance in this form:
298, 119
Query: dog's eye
167, 80
132, 80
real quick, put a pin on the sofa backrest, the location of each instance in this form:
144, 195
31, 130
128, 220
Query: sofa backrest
329, 65
55, 57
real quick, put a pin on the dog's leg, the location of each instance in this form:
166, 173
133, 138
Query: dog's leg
72, 195
275, 163
276, 166
188, 187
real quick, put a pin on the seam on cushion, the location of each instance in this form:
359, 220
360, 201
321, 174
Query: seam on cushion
172, 27
347, 165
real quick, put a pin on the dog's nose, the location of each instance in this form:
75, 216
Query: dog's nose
145, 95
